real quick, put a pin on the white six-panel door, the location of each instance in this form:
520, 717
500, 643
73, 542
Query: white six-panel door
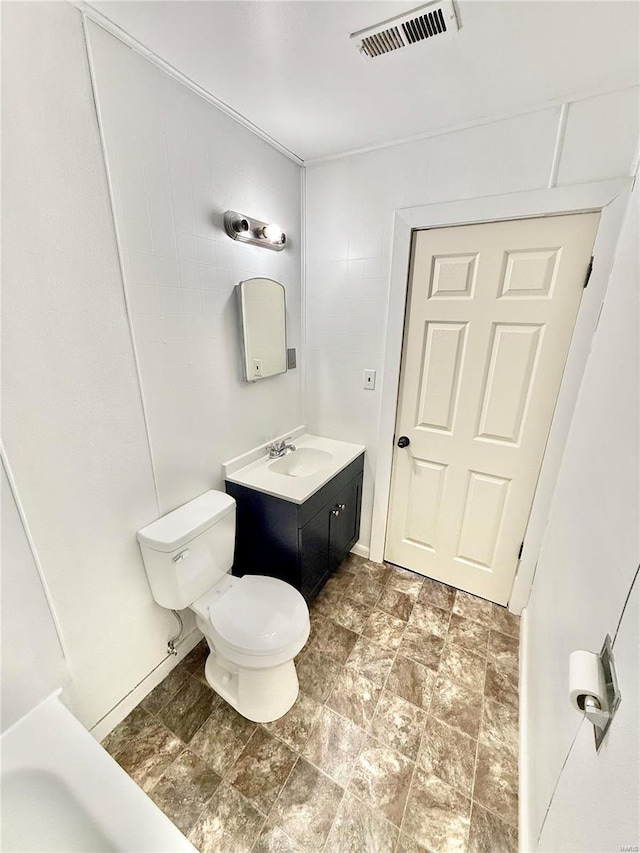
490, 313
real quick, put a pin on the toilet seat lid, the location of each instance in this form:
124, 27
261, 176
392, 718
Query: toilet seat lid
260, 615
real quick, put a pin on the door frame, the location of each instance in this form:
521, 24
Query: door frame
610, 198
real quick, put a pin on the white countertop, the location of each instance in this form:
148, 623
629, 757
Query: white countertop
253, 470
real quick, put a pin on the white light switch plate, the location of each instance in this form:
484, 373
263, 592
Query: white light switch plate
369, 381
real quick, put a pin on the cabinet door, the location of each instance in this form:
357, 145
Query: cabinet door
344, 522
313, 553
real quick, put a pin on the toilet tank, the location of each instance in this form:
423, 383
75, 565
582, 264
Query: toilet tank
189, 550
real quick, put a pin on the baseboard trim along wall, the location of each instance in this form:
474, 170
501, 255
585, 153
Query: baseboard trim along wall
125, 706
360, 550
525, 842
131, 700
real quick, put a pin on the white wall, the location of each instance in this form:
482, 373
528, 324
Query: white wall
73, 420
33, 663
591, 545
595, 806
350, 205
176, 165
72, 417
589, 557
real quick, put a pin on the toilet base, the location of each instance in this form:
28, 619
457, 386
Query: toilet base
260, 695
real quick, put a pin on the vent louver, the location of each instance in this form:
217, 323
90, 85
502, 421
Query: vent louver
425, 22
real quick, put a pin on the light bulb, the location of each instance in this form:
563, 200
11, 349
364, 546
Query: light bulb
273, 233
241, 226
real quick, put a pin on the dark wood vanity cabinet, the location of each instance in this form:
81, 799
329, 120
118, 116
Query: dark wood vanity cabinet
298, 543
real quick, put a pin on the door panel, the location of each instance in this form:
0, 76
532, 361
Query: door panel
427, 480
442, 356
530, 274
453, 276
481, 520
490, 313
507, 388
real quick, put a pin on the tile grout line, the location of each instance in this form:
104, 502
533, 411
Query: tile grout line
366, 731
300, 751
208, 803
428, 711
495, 814
275, 802
186, 746
475, 760
488, 659
364, 740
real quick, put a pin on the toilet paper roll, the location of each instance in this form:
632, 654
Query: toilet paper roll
586, 678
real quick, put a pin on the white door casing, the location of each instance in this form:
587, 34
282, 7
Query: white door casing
489, 319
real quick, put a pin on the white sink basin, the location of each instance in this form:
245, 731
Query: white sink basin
303, 462
297, 475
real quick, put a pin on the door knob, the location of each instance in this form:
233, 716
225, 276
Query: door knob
403, 441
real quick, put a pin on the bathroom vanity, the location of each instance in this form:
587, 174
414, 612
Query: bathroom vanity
297, 517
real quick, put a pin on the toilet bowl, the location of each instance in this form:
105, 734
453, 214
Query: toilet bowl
254, 625
254, 628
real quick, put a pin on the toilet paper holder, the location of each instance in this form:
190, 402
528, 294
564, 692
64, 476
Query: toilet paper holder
600, 713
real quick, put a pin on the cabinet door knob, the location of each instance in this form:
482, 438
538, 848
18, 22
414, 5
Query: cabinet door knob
341, 506
335, 512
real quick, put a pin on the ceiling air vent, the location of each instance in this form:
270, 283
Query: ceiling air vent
425, 22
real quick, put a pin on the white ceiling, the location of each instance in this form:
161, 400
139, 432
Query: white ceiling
290, 68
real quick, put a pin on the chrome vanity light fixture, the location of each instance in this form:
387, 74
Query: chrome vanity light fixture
247, 230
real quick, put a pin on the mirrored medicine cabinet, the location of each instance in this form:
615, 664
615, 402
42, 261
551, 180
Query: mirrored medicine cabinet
262, 309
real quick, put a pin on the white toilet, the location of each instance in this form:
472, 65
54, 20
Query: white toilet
254, 625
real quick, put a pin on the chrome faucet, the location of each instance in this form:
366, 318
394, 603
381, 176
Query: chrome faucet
280, 448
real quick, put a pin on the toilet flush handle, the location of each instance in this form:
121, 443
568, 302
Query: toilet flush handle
181, 556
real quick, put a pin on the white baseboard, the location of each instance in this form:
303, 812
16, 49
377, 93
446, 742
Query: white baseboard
525, 841
125, 706
361, 550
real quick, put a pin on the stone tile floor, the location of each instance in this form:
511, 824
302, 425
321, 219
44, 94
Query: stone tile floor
404, 736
